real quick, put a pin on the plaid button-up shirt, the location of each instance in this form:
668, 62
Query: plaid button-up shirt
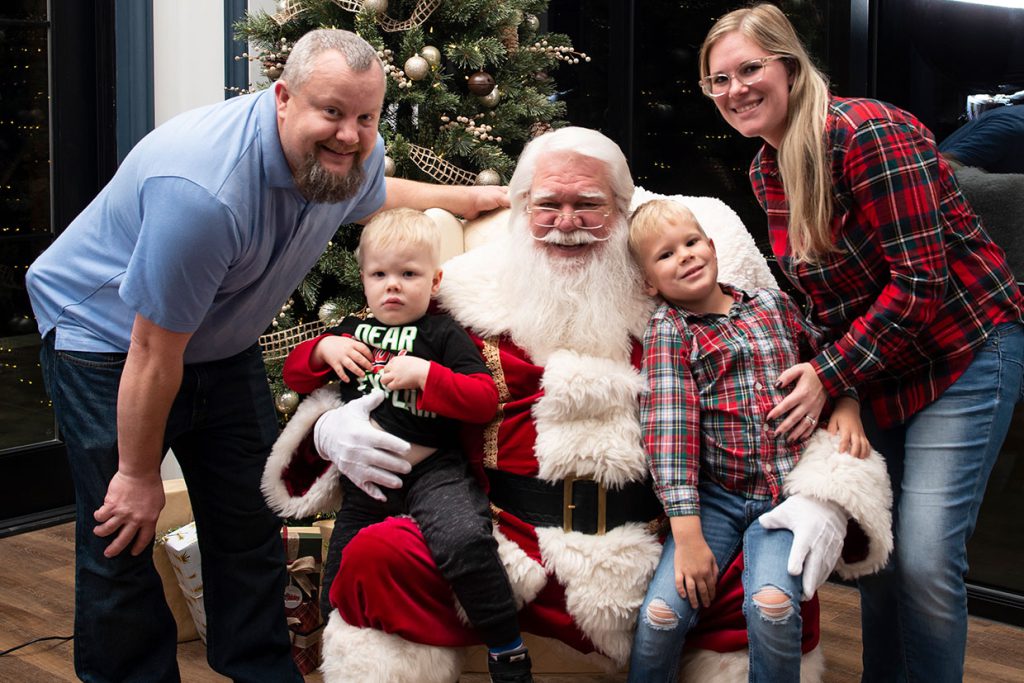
915, 285
710, 383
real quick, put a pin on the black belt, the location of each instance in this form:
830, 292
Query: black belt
575, 503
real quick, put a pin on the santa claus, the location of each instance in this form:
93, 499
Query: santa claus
556, 311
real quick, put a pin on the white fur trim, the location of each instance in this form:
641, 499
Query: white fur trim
579, 387
325, 494
860, 487
605, 579
470, 291
525, 575
740, 262
366, 655
700, 666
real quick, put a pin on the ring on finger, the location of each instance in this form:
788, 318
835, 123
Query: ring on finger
811, 420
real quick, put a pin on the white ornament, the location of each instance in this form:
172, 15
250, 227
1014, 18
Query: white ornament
328, 312
532, 22
287, 402
376, 6
417, 68
488, 176
389, 167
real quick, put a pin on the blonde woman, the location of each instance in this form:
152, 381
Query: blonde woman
922, 310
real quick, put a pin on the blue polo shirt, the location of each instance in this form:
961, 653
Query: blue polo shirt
201, 230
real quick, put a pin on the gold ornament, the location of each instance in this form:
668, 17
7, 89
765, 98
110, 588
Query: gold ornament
328, 312
431, 54
491, 99
532, 22
416, 68
377, 7
287, 402
389, 167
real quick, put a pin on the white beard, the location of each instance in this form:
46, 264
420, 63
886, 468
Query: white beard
593, 304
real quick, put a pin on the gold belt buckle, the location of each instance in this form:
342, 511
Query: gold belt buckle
568, 506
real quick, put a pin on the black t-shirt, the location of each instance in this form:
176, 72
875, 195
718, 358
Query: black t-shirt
433, 337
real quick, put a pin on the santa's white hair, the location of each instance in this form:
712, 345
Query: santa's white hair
594, 303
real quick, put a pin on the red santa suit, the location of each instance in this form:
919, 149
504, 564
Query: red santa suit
574, 417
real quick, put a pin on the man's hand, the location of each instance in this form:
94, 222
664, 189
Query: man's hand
366, 455
803, 405
818, 528
485, 198
405, 372
132, 505
344, 355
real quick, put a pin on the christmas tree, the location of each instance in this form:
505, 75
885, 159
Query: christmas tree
468, 84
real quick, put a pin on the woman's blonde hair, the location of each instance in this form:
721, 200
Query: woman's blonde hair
401, 227
804, 163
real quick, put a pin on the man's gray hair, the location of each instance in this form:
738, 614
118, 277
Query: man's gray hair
582, 141
358, 53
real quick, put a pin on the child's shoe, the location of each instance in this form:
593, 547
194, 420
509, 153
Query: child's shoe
510, 667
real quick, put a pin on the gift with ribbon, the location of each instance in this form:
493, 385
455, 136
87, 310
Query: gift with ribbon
303, 551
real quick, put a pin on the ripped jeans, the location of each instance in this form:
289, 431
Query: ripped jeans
771, 601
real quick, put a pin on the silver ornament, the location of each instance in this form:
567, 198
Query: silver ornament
376, 6
287, 402
328, 312
431, 54
416, 68
488, 176
491, 99
532, 22
389, 167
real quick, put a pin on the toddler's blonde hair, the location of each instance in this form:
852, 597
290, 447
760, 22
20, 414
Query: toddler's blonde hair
650, 219
401, 227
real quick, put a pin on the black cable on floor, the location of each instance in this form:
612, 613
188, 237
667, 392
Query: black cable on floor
32, 642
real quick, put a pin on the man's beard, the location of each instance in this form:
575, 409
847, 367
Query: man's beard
592, 303
319, 185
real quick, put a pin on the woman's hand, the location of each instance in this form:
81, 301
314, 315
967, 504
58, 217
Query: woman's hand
803, 405
845, 422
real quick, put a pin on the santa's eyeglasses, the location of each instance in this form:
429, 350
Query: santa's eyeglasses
548, 217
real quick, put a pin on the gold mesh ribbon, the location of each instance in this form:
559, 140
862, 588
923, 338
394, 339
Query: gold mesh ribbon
289, 10
276, 345
440, 170
422, 12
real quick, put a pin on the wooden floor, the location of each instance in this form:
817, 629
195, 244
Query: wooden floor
36, 593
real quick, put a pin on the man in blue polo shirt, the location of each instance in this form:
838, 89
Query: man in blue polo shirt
150, 305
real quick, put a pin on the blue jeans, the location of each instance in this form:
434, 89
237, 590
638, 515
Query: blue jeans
221, 427
914, 612
729, 522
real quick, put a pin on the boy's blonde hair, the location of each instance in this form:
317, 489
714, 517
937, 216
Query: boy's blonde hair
650, 218
401, 227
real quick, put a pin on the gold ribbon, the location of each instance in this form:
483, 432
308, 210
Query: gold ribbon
299, 569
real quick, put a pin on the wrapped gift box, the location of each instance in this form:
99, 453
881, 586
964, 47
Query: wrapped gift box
177, 513
304, 552
182, 547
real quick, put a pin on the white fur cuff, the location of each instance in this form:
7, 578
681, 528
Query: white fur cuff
324, 494
860, 487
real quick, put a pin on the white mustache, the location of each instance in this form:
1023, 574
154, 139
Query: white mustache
569, 239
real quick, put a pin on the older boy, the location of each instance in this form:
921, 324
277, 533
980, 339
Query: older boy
712, 358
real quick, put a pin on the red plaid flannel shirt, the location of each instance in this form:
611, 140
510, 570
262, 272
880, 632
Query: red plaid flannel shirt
915, 285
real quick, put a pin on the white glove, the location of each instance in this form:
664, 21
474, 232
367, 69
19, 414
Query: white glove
819, 528
366, 455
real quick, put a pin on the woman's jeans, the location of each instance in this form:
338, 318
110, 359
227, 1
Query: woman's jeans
729, 522
221, 427
914, 612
